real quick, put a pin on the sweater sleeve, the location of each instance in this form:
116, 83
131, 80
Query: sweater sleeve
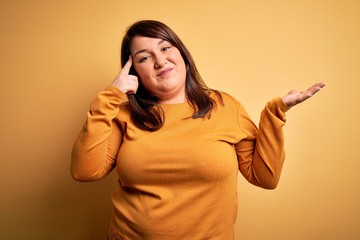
95, 149
261, 154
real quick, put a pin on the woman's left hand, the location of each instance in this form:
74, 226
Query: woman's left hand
295, 97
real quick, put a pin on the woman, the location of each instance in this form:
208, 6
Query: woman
176, 144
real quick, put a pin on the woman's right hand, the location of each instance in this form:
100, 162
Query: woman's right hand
125, 82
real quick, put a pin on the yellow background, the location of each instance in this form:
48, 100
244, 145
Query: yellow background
56, 55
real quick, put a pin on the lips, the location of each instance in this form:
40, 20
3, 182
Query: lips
164, 72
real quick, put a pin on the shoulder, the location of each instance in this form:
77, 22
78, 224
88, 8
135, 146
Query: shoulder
224, 98
229, 104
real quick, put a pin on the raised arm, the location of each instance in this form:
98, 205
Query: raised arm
261, 154
95, 149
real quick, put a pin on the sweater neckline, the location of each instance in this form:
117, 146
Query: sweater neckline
176, 110
168, 105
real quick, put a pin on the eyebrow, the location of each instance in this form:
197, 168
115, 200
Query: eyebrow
144, 50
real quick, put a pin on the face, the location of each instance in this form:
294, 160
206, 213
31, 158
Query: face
160, 68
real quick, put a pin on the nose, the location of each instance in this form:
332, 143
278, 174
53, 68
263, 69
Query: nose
160, 61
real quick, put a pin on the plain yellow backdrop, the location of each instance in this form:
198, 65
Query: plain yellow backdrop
56, 55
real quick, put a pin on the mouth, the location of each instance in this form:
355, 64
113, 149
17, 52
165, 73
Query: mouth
164, 72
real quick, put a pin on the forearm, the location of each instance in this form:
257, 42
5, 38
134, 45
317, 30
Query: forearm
95, 149
265, 153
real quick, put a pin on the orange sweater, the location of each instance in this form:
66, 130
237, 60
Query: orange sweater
178, 182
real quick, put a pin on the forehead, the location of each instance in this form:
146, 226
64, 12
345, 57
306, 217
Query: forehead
144, 43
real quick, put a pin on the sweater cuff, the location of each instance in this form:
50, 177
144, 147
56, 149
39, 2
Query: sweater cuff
117, 92
278, 108
280, 103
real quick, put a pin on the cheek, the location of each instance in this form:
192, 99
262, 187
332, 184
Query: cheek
144, 76
182, 67
142, 71
179, 60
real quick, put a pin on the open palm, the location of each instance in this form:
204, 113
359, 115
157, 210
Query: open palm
295, 97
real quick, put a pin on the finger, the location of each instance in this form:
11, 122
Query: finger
315, 88
126, 69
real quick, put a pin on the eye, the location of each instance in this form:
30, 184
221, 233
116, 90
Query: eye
165, 48
144, 59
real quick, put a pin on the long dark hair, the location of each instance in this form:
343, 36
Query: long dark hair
145, 113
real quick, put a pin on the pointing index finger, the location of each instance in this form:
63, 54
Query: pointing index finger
126, 69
